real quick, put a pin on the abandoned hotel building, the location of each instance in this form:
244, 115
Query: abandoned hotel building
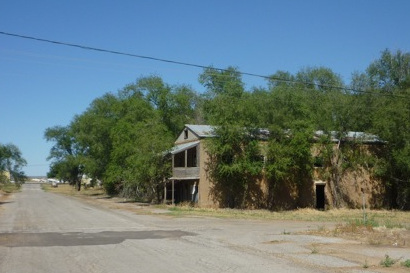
190, 181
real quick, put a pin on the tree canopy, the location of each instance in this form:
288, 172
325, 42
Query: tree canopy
120, 138
12, 161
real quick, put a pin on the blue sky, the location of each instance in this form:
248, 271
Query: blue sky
43, 85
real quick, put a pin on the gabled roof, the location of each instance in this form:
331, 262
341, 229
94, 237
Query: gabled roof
201, 130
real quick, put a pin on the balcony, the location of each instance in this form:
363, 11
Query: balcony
182, 173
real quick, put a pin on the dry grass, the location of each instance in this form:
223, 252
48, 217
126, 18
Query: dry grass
389, 219
9, 187
70, 190
379, 228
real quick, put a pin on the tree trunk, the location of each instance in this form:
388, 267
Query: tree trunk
78, 184
336, 173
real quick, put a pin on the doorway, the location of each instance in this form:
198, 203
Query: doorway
320, 196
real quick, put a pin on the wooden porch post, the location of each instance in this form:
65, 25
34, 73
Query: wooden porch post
165, 192
173, 189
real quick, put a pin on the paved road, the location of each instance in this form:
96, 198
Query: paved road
46, 232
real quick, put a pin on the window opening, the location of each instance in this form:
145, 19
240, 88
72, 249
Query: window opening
179, 160
192, 157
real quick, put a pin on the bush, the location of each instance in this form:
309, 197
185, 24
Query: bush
387, 261
406, 263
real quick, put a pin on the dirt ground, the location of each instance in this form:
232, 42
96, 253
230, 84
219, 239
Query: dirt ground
3, 197
370, 248
336, 245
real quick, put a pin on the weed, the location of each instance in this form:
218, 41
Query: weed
314, 250
387, 261
321, 228
369, 223
286, 232
374, 242
406, 263
365, 265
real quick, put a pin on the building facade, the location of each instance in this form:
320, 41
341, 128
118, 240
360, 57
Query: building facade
190, 181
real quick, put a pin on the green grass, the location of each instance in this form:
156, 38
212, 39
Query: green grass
368, 222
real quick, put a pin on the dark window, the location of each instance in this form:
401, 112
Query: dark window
185, 133
191, 160
179, 159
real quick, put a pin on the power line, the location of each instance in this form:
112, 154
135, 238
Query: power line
105, 50
270, 78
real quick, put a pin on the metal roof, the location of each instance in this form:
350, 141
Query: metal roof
182, 147
351, 136
202, 130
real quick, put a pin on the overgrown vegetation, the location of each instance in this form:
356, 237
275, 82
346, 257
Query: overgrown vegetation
121, 138
406, 263
11, 164
9, 187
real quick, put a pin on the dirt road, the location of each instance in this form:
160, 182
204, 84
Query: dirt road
46, 232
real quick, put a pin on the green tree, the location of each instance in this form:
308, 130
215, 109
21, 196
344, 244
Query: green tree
137, 137
235, 166
390, 72
389, 98
392, 124
321, 78
123, 137
289, 106
66, 155
289, 167
92, 131
281, 79
314, 95
223, 100
183, 104
175, 105
222, 82
138, 167
12, 161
